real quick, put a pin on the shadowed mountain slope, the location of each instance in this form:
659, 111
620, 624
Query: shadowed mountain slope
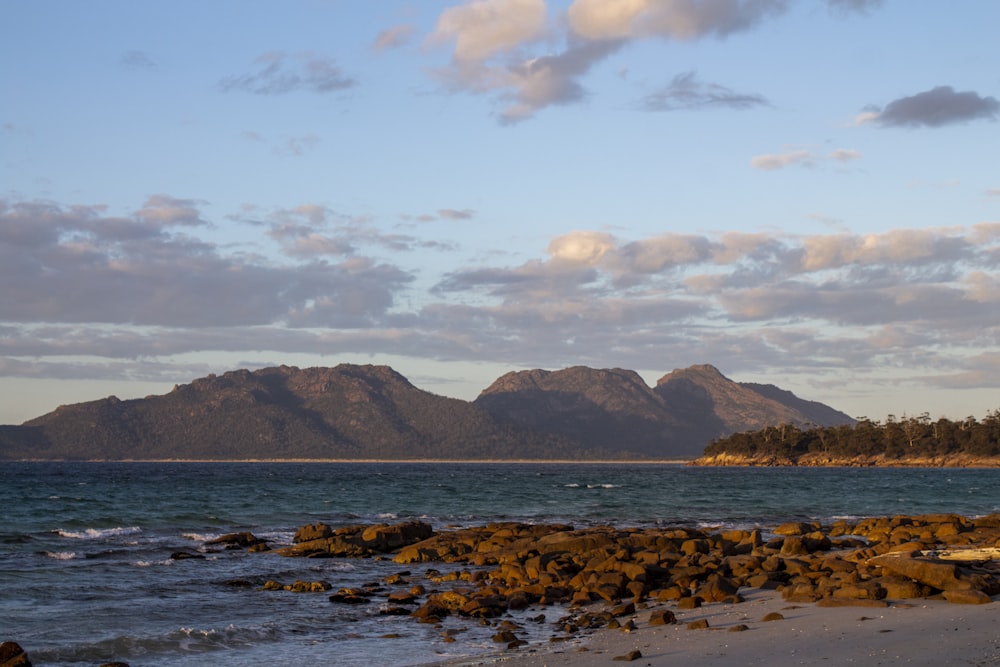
373, 412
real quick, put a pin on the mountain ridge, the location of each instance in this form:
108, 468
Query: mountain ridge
369, 412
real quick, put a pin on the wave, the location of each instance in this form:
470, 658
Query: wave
64, 555
574, 485
201, 537
97, 533
187, 640
152, 563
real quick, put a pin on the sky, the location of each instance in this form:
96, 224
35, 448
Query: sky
803, 193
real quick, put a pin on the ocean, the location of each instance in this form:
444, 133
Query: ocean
86, 573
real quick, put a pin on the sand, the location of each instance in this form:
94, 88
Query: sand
917, 632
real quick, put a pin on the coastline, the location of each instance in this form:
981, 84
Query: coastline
717, 461
924, 632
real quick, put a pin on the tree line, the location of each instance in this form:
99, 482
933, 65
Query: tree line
894, 439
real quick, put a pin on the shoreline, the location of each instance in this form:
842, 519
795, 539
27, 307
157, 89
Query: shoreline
408, 461
730, 462
919, 632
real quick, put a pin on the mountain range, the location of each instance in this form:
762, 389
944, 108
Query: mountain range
372, 412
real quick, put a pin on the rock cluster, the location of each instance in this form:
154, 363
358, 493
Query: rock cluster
504, 567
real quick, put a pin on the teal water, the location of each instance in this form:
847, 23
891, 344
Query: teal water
86, 574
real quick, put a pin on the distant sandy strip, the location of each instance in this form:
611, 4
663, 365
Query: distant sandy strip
923, 632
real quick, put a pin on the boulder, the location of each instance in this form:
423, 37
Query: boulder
308, 533
12, 655
967, 597
934, 573
236, 540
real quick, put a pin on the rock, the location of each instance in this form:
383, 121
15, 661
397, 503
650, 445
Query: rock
795, 528
850, 602
385, 538
867, 590
236, 540
967, 597
689, 603
936, 574
349, 596
504, 637
738, 628
662, 617
320, 531
634, 654
12, 655
186, 555
773, 616
700, 624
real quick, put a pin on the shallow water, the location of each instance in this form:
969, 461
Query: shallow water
86, 574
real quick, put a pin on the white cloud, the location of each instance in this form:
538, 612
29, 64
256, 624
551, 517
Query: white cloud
484, 28
582, 247
845, 154
675, 19
775, 161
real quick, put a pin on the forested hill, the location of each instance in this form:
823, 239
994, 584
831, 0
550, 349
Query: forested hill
910, 441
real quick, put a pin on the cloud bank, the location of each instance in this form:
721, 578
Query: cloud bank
77, 282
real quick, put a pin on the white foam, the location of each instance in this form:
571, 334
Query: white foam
98, 533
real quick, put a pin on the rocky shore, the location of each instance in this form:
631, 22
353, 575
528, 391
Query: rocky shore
627, 579
811, 459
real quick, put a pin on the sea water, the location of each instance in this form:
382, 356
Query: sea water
86, 574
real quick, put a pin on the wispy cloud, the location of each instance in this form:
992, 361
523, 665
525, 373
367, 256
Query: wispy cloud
686, 91
138, 60
278, 73
803, 157
394, 37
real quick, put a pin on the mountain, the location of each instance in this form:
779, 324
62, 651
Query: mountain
596, 408
615, 408
373, 412
346, 412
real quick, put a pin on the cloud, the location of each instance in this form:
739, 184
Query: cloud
299, 145
687, 92
504, 48
84, 290
775, 161
485, 28
937, 107
862, 6
845, 155
79, 265
278, 74
394, 37
456, 214
674, 19
802, 157
138, 60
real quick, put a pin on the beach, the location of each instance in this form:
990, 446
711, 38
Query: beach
920, 632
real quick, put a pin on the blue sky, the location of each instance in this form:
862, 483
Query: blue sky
801, 193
